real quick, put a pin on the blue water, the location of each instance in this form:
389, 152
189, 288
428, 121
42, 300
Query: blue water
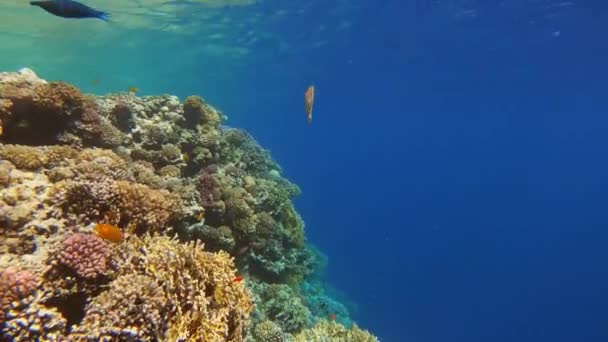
456, 170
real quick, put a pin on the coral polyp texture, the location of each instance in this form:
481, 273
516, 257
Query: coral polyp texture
213, 248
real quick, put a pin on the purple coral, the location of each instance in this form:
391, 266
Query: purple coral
87, 254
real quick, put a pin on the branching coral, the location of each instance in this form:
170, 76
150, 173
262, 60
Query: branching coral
326, 331
181, 293
268, 331
135, 307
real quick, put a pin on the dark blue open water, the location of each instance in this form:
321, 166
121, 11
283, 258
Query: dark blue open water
456, 170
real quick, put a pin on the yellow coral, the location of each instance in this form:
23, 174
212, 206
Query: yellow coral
207, 304
326, 331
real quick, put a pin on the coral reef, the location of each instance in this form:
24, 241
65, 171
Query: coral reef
171, 179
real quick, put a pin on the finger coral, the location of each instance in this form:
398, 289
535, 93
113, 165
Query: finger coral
86, 254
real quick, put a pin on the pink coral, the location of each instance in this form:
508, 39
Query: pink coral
87, 254
15, 285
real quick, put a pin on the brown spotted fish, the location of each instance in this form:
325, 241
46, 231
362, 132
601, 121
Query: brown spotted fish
309, 101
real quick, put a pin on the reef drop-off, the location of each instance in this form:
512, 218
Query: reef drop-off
213, 247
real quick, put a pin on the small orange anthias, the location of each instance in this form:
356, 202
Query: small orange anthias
238, 279
109, 232
309, 101
332, 316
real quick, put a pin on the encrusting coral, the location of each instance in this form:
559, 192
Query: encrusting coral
164, 174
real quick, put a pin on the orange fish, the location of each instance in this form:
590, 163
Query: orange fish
109, 232
309, 101
238, 279
332, 316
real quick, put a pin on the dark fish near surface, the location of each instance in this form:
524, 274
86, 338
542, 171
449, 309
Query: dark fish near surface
70, 9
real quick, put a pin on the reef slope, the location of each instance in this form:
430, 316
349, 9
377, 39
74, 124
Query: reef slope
145, 219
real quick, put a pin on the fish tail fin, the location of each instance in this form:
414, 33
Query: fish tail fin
104, 16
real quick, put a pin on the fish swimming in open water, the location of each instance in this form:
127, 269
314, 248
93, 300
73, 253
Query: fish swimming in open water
70, 9
309, 101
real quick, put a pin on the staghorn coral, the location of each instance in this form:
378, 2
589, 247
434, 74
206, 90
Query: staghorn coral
86, 254
326, 331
